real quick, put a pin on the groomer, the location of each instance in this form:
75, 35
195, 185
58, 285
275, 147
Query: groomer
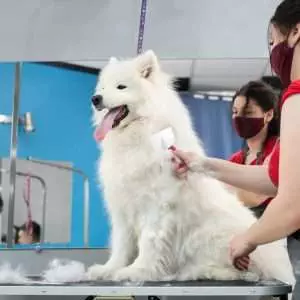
282, 175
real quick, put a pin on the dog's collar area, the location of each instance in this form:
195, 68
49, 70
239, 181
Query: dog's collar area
135, 120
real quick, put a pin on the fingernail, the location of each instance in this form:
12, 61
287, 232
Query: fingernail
173, 148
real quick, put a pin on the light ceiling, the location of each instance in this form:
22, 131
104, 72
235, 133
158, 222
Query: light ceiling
217, 43
208, 74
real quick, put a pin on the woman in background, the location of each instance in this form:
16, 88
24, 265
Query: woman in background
255, 119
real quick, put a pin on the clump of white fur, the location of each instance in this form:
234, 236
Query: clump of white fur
163, 227
11, 275
63, 271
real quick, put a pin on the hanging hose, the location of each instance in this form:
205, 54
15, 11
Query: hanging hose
27, 200
142, 26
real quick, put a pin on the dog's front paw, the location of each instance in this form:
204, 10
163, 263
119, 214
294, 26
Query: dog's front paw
97, 272
250, 276
133, 274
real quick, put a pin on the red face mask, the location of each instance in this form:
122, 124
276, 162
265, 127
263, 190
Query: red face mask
248, 127
281, 62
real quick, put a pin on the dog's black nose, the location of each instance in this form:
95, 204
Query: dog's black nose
97, 101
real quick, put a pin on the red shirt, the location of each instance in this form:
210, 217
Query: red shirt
293, 89
268, 148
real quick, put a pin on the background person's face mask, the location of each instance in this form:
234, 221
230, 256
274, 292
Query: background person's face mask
248, 127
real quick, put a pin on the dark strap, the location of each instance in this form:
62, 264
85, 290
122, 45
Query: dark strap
296, 235
259, 210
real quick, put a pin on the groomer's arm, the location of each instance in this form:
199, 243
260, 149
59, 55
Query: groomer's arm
282, 216
251, 199
254, 179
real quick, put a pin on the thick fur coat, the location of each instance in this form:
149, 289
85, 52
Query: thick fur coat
164, 227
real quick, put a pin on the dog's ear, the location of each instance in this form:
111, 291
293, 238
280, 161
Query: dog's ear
113, 60
147, 63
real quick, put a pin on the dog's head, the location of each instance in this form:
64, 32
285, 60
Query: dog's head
123, 93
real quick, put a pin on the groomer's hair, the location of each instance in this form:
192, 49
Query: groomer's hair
286, 16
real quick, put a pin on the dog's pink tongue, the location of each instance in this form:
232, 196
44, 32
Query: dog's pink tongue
106, 124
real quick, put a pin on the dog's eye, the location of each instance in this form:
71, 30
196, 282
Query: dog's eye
121, 87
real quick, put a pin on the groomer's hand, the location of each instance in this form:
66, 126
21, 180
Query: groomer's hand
183, 161
179, 163
240, 248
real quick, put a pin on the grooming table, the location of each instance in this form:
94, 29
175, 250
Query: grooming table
165, 289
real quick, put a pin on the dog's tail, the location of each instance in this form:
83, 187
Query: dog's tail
274, 262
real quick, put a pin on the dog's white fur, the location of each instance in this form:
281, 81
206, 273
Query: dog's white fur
164, 227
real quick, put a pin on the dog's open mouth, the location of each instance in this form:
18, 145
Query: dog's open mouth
111, 120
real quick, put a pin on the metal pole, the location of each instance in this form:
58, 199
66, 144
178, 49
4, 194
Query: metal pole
13, 155
86, 212
44, 189
86, 193
44, 197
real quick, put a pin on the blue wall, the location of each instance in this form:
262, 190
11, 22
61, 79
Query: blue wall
59, 101
213, 123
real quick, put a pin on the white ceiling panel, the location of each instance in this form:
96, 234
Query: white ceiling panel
97, 29
268, 70
229, 67
178, 68
67, 30
219, 83
217, 73
208, 28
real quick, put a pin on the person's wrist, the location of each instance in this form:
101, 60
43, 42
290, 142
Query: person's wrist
250, 239
196, 164
207, 164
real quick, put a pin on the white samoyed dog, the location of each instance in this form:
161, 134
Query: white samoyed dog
164, 228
